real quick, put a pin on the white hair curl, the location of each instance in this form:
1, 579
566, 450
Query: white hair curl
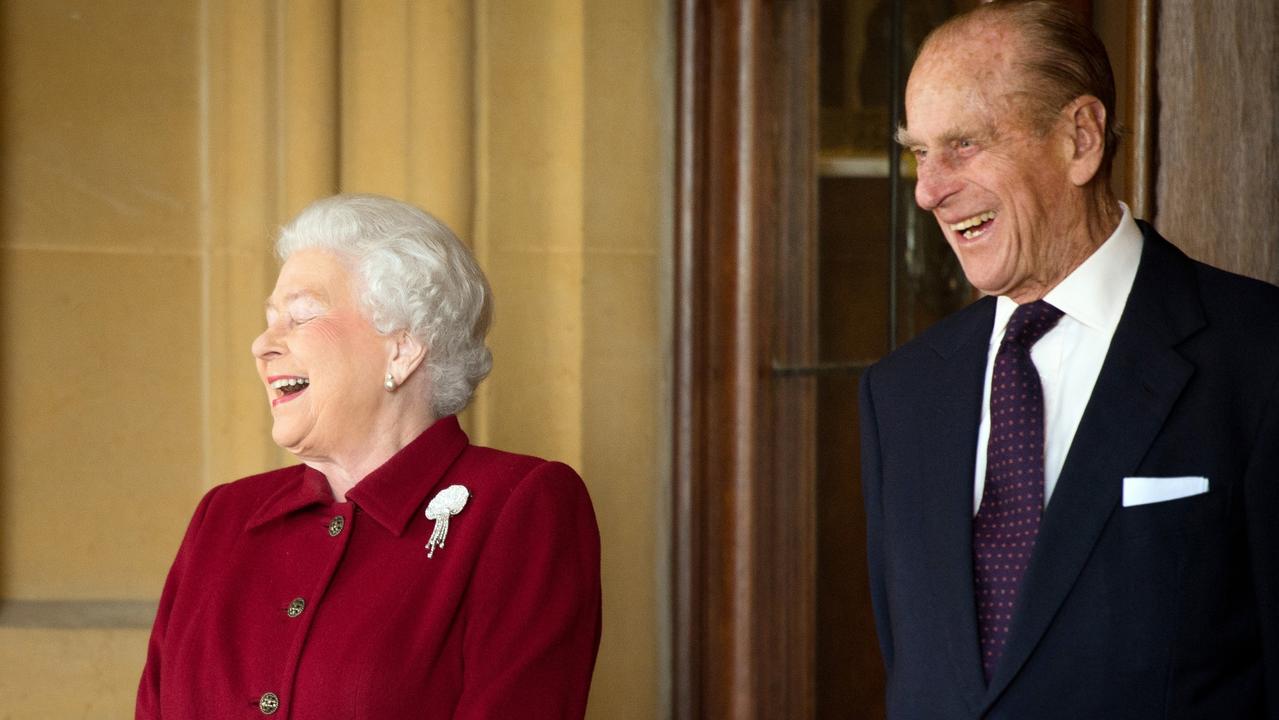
415, 275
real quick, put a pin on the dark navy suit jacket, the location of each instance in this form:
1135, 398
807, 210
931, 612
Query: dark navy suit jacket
1164, 610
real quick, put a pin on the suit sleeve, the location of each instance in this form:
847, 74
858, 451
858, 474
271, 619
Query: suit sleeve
533, 621
872, 495
1262, 502
148, 702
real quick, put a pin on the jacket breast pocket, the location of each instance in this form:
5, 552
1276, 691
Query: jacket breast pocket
1156, 516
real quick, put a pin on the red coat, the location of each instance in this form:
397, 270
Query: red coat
271, 593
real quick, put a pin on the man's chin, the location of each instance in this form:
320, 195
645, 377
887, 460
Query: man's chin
979, 279
984, 270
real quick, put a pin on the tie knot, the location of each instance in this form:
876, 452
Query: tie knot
1030, 322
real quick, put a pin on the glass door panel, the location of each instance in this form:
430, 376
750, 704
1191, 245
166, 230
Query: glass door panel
884, 274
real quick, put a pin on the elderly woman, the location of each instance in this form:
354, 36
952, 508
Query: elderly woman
399, 571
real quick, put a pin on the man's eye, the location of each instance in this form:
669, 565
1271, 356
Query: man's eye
920, 153
966, 144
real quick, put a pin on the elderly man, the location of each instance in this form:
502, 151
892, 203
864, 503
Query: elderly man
1071, 486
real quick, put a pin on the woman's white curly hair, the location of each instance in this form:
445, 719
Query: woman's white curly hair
415, 275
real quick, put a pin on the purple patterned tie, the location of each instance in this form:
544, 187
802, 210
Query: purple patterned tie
1007, 521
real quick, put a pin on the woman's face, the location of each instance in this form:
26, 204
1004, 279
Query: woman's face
321, 360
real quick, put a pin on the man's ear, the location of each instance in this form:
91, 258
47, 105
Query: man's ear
407, 354
1088, 120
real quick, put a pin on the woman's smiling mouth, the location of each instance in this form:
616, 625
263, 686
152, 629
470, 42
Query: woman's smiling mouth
289, 387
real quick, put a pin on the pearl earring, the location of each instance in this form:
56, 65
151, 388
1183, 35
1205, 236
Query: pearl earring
390, 382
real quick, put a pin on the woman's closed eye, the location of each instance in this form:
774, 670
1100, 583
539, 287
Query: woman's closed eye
303, 310
289, 319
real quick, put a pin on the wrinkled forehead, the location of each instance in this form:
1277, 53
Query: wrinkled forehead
984, 50
962, 72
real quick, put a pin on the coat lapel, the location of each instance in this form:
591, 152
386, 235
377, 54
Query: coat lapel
955, 391
1140, 380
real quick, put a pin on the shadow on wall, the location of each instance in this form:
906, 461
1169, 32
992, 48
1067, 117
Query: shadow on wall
7, 422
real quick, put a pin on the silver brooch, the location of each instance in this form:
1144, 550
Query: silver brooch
443, 506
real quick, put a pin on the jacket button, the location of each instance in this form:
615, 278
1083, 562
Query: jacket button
296, 607
336, 524
269, 703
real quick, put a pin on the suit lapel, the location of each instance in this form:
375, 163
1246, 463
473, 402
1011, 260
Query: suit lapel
1139, 382
955, 391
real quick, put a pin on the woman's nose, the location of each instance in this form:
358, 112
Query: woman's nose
267, 344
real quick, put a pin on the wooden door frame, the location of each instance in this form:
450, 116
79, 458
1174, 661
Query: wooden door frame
743, 537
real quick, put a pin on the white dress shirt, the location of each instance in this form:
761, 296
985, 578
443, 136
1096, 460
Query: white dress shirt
1069, 357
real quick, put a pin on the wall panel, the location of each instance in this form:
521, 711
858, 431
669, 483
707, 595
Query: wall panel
627, 152
529, 231
100, 277
143, 169
1217, 184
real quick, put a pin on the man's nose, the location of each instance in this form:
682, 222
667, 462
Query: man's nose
934, 182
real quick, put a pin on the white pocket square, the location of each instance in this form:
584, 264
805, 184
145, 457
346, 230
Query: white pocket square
1146, 490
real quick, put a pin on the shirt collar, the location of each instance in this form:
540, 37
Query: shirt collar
1094, 294
391, 494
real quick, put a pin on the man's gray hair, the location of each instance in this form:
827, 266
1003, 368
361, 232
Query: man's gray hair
415, 275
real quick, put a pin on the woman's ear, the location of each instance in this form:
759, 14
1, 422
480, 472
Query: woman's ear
1088, 124
407, 353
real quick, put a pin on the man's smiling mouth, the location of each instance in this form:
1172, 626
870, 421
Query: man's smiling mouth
974, 226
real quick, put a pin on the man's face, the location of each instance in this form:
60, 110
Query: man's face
998, 188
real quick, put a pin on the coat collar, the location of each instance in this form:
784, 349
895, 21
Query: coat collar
1140, 380
391, 494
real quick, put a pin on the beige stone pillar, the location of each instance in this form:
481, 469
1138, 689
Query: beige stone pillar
529, 225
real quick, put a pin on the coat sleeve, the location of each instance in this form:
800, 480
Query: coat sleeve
533, 621
872, 495
148, 703
1262, 502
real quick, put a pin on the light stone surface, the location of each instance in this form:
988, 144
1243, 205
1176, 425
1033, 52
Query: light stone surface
145, 175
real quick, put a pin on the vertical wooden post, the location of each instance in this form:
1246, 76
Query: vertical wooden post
743, 562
